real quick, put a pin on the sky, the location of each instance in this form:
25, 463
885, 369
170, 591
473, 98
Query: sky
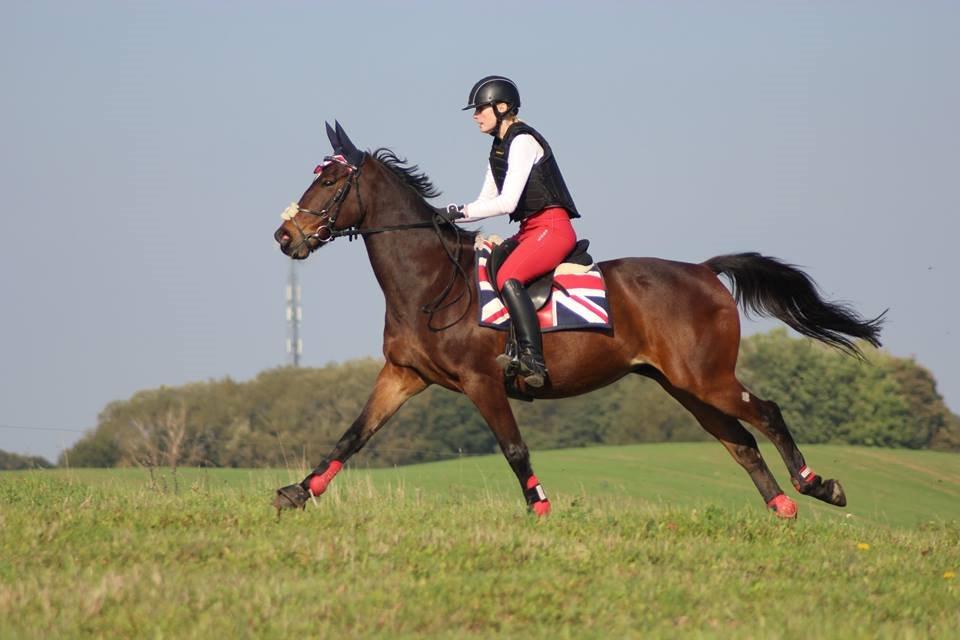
149, 147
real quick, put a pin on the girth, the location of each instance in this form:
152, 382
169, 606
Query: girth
539, 289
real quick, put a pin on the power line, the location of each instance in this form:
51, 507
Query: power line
10, 426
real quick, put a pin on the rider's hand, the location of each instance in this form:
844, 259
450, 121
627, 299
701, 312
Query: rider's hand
451, 212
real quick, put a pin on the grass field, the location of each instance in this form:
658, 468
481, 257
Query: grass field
645, 541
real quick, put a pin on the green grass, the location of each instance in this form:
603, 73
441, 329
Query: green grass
645, 541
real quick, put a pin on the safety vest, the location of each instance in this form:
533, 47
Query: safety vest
545, 186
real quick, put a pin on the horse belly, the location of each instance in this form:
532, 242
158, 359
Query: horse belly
581, 361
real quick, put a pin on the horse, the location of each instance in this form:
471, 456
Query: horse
673, 322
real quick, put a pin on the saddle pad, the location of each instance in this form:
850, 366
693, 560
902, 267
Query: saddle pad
578, 299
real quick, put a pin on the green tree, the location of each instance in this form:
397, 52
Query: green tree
826, 396
13, 461
293, 417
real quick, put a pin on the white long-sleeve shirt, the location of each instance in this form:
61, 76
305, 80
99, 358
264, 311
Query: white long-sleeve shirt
525, 152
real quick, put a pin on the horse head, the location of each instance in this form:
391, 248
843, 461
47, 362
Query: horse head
330, 204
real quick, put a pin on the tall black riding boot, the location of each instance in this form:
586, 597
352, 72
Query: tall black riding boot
529, 341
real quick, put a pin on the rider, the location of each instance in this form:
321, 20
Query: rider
522, 180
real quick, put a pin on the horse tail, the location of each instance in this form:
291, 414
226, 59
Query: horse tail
768, 287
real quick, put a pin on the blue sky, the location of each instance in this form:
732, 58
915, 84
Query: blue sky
148, 149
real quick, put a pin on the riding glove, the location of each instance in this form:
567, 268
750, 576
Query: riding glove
450, 212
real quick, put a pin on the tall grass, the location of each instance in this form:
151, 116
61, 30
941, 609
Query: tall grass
447, 551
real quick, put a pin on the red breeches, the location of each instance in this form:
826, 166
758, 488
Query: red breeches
545, 238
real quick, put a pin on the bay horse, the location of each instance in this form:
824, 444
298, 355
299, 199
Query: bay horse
673, 322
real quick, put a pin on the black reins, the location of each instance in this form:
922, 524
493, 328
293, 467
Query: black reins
354, 231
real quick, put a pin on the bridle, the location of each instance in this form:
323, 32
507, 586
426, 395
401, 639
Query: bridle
334, 203
331, 209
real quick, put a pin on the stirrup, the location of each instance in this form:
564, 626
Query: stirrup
532, 369
509, 363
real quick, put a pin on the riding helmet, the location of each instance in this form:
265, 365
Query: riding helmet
493, 89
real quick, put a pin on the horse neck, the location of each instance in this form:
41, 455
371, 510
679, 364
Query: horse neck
411, 265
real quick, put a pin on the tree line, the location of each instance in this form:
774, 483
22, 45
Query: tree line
293, 416
14, 461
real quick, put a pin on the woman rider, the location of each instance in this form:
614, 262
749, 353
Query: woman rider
522, 180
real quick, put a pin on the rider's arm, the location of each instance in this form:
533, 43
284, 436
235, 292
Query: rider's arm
489, 190
525, 151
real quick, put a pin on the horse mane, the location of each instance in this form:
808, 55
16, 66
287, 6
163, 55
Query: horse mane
409, 174
420, 182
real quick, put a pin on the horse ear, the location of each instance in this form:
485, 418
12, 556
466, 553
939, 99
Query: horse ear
332, 136
353, 155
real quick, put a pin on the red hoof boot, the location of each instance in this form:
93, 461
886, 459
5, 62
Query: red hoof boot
536, 498
541, 508
784, 507
318, 483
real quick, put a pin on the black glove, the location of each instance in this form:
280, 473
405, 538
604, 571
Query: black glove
450, 212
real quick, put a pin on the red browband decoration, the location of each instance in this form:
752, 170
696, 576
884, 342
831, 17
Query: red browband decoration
328, 160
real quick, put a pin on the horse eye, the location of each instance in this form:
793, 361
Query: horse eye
326, 183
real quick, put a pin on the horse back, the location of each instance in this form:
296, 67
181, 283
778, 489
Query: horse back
660, 282
663, 302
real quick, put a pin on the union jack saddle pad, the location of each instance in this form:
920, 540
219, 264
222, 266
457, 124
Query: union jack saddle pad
578, 299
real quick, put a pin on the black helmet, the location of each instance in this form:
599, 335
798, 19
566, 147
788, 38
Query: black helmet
494, 89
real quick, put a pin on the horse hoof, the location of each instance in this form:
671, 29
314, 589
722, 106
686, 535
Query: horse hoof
783, 507
837, 496
290, 497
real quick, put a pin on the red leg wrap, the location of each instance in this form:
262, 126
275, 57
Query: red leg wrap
807, 476
318, 484
783, 506
541, 506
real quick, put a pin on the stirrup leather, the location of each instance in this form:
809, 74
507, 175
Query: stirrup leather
509, 360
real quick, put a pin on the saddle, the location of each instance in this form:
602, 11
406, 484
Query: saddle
539, 289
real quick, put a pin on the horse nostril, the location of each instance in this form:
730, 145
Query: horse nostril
282, 237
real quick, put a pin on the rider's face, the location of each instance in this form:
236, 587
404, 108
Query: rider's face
485, 118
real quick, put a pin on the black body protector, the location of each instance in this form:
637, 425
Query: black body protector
545, 186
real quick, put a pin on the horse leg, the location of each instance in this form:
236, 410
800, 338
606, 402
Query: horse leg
740, 443
491, 400
734, 399
394, 386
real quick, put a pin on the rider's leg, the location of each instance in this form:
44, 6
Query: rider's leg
523, 316
544, 241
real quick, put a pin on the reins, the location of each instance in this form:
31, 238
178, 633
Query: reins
354, 231
351, 233
436, 305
